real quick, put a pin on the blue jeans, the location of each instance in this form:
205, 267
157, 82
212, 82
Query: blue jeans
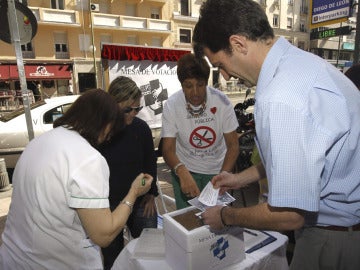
136, 223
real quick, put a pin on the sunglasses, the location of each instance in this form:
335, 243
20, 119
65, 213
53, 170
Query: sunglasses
130, 109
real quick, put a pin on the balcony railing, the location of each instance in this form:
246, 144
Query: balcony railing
191, 18
304, 10
129, 22
62, 55
28, 54
156, 1
56, 16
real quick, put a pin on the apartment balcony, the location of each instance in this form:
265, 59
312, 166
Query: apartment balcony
178, 17
156, 1
28, 54
62, 55
304, 10
263, 3
56, 16
120, 22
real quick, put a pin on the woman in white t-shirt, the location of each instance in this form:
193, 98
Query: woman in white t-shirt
59, 215
198, 131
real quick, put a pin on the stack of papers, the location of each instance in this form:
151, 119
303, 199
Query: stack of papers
210, 197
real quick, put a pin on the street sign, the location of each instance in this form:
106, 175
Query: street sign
340, 31
25, 20
326, 12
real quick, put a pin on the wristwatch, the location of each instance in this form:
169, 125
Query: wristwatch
128, 204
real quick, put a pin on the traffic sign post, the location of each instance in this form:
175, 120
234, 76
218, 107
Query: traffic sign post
20, 29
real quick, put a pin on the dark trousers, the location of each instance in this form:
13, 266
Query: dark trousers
320, 249
136, 223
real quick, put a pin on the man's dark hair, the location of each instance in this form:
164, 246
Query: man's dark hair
353, 73
188, 66
219, 19
90, 114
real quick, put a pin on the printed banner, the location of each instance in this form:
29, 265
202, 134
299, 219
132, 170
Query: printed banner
156, 80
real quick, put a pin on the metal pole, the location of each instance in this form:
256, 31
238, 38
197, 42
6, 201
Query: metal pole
338, 54
93, 44
357, 36
15, 38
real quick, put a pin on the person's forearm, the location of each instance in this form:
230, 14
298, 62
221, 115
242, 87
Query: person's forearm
102, 225
230, 159
264, 217
250, 175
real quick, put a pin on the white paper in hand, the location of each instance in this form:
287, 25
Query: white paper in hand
209, 195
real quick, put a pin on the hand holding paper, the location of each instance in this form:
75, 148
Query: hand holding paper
210, 197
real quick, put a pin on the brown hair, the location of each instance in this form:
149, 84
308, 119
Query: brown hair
90, 114
190, 67
124, 89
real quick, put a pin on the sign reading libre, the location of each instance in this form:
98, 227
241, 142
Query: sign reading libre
340, 31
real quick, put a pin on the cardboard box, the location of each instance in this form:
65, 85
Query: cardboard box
199, 248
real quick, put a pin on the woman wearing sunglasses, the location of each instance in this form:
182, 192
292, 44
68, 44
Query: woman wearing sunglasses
130, 152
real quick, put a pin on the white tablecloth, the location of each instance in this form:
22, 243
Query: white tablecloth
272, 256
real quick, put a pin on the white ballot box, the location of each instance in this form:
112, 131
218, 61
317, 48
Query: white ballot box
191, 245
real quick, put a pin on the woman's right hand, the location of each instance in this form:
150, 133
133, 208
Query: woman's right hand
141, 184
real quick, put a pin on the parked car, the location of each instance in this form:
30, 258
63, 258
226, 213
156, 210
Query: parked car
14, 131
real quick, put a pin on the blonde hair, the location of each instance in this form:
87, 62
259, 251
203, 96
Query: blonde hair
124, 89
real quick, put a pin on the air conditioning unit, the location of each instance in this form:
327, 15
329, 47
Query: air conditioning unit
95, 7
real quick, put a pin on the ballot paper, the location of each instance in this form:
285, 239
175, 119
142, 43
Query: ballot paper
210, 197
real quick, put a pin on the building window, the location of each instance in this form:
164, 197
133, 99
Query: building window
302, 26
289, 23
105, 38
130, 10
185, 7
275, 20
61, 47
185, 36
132, 40
57, 4
290, 2
301, 45
84, 42
27, 47
155, 13
27, 50
156, 41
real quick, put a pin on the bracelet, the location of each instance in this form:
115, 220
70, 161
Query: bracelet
221, 216
128, 204
177, 167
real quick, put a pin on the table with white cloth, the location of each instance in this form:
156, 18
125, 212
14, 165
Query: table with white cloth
271, 256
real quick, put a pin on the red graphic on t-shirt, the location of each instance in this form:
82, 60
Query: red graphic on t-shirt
202, 137
213, 110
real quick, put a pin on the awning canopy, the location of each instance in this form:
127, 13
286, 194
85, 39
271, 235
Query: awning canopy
4, 72
137, 53
36, 72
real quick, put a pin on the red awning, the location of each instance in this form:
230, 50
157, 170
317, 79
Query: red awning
4, 72
135, 53
42, 72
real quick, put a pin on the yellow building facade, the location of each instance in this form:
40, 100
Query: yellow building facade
65, 54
